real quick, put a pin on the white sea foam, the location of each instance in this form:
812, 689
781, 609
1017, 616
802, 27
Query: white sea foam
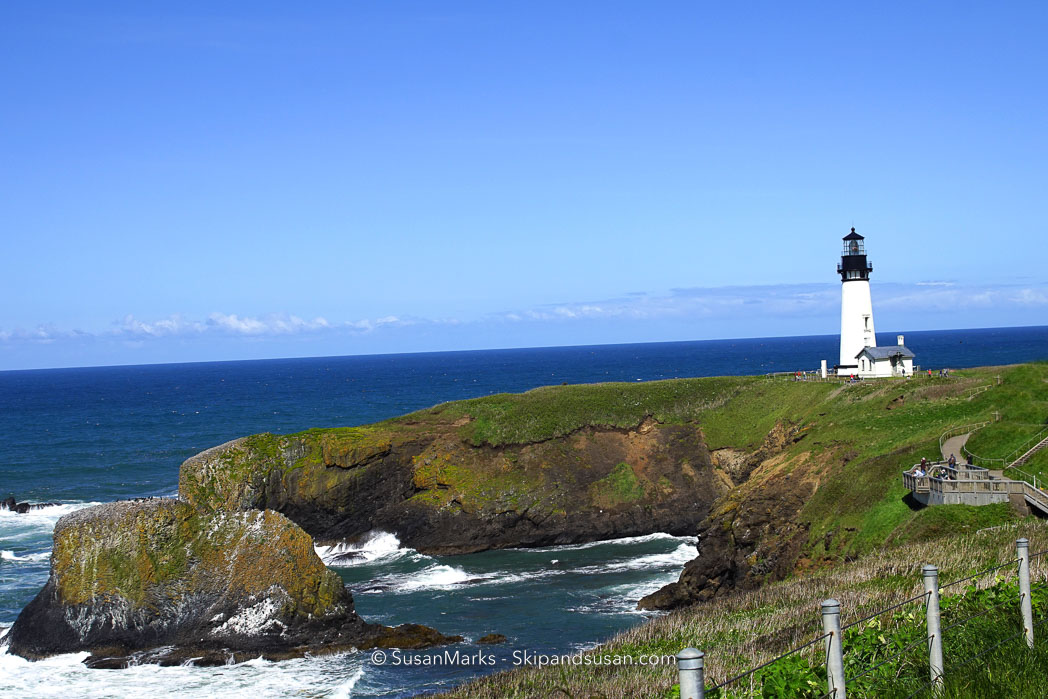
50, 511
446, 577
334, 676
12, 556
35, 525
671, 559
345, 691
622, 599
26, 538
434, 577
658, 536
375, 547
440, 576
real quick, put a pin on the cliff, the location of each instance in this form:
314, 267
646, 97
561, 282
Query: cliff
830, 490
156, 575
776, 476
553, 466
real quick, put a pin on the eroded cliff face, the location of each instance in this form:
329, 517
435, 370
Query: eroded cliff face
440, 493
138, 575
753, 534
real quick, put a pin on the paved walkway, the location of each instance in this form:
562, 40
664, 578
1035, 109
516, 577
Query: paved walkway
953, 446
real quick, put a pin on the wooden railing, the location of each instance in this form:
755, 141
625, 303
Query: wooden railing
971, 480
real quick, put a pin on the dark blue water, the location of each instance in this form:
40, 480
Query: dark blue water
101, 434
115, 432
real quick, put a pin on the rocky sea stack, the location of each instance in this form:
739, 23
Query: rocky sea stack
160, 580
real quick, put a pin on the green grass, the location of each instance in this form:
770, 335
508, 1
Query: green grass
854, 441
934, 522
1003, 440
747, 628
861, 504
619, 487
887, 656
555, 411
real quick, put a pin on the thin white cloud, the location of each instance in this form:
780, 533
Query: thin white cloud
133, 330
173, 325
756, 303
788, 300
273, 324
1031, 297
43, 334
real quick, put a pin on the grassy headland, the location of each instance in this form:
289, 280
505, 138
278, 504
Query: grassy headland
864, 540
800, 477
859, 436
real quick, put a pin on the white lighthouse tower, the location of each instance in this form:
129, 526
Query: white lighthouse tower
856, 306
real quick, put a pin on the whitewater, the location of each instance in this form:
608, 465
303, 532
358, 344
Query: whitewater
95, 435
598, 579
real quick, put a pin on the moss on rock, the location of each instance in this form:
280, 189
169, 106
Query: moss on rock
138, 574
620, 487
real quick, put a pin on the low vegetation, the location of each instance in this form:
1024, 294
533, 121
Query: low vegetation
848, 441
742, 630
867, 539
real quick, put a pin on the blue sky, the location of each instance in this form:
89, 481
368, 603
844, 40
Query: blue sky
195, 181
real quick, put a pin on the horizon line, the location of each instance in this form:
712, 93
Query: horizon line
496, 349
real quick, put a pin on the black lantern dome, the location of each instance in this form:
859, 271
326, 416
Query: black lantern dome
853, 266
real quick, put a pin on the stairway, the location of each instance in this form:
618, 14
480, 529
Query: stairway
1026, 457
1035, 497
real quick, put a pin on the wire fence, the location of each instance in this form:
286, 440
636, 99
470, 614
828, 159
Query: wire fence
690, 661
1015, 453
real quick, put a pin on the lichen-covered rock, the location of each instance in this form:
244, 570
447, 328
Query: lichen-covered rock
442, 494
131, 576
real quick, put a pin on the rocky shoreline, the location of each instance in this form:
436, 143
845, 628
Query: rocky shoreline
157, 581
11, 505
228, 571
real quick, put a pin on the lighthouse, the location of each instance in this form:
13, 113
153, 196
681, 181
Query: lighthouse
856, 307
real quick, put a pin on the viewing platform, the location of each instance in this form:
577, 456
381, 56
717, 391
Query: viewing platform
964, 484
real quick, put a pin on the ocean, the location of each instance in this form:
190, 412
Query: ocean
82, 436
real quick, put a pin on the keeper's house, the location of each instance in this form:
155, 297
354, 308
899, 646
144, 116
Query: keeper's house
878, 362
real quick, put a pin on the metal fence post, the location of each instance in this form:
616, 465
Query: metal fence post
1022, 546
931, 589
831, 625
689, 668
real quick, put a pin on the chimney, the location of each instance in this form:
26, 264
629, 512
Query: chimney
900, 339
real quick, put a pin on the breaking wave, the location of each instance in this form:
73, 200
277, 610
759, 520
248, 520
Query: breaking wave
628, 540
376, 547
12, 556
